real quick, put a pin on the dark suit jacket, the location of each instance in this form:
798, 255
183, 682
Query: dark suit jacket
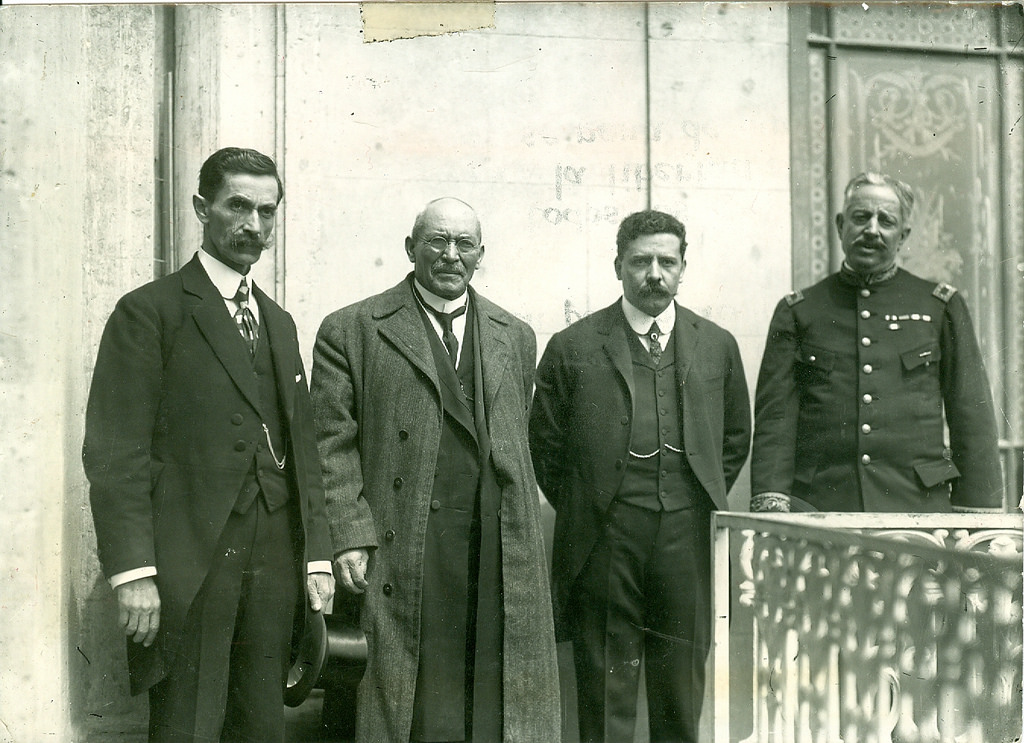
581, 423
171, 429
377, 397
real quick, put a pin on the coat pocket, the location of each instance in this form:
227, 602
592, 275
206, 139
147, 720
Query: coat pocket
932, 473
816, 357
920, 355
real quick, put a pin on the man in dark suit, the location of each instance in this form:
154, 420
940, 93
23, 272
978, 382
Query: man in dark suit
421, 395
204, 478
640, 424
864, 374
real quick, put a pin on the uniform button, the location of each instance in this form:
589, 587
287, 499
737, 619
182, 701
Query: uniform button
618, 464
663, 412
661, 393
664, 473
867, 398
865, 292
865, 341
259, 472
435, 504
389, 535
625, 420
398, 482
866, 428
240, 446
868, 369
387, 588
664, 432
403, 434
236, 419
947, 453
812, 358
865, 459
865, 314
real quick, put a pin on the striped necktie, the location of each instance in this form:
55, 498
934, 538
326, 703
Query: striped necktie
244, 318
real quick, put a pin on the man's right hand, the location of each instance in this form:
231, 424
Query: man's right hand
350, 569
139, 609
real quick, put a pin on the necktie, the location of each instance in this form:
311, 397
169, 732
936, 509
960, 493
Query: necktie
244, 318
448, 334
653, 344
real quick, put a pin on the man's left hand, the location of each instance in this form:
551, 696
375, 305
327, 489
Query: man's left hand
320, 588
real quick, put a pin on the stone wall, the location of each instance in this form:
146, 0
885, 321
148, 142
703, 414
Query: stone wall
555, 122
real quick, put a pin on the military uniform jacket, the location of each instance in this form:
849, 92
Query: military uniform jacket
377, 402
855, 384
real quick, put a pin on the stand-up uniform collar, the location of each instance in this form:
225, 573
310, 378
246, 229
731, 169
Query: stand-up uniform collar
850, 276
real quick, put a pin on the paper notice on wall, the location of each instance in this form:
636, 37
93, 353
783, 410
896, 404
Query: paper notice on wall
389, 21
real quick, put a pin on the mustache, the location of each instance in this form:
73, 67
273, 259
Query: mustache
655, 290
243, 240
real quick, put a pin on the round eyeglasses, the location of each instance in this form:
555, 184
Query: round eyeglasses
440, 244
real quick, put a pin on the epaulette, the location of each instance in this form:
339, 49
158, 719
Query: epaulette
944, 292
794, 297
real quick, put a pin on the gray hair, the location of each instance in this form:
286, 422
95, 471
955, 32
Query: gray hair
903, 192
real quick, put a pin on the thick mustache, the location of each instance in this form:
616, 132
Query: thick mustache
248, 241
656, 289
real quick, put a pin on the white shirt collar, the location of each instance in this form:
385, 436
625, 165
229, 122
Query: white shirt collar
641, 322
225, 278
440, 304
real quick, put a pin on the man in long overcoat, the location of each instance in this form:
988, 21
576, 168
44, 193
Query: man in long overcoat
639, 427
421, 396
204, 477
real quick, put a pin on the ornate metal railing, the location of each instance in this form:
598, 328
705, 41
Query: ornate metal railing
868, 628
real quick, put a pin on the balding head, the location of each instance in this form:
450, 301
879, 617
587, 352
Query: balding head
445, 246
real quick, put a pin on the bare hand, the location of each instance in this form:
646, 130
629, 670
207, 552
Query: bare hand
320, 589
139, 609
350, 567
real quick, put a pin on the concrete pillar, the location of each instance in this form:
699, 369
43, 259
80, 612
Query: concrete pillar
76, 188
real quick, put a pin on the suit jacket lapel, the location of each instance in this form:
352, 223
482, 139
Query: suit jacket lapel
685, 331
494, 356
274, 330
616, 345
220, 332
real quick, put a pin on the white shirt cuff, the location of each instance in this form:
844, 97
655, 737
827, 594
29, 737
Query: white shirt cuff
119, 579
319, 566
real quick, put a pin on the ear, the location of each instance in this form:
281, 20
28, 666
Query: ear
409, 244
200, 205
682, 268
480, 257
903, 236
618, 267
839, 223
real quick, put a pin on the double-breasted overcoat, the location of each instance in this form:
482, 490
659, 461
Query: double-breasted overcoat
378, 408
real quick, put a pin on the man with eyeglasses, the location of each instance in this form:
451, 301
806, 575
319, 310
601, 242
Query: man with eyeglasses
420, 397
872, 394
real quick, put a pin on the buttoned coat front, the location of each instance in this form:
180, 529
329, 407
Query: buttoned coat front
582, 418
377, 403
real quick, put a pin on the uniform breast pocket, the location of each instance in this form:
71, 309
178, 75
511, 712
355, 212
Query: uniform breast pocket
920, 357
814, 363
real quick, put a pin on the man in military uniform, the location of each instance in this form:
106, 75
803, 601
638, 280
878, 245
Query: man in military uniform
859, 375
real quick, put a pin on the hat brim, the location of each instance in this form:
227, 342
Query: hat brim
309, 660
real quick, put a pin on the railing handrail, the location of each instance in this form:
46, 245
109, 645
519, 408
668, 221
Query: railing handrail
832, 529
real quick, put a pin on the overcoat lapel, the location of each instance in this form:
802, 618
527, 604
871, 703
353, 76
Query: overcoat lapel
616, 345
402, 326
219, 330
494, 351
